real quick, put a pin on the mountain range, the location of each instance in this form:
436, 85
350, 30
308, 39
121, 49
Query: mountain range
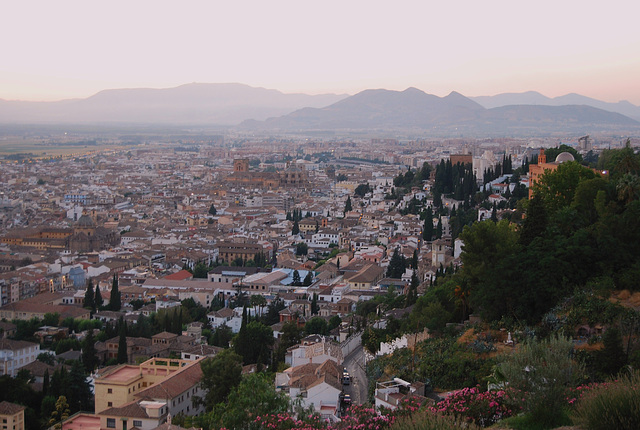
455, 114
214, 104
535, 98
260, 109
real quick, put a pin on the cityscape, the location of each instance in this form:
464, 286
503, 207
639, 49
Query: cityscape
285, 215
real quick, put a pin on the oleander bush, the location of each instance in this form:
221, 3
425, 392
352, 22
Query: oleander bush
481, 408
614, 405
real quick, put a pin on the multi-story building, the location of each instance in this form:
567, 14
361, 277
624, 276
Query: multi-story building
11, 416
15, 354
231, 251
170, 381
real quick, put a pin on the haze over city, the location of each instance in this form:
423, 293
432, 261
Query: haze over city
74, 49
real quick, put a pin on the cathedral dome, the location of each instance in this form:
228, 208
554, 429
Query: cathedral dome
85, 221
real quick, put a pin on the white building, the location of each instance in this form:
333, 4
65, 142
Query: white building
15, 354
225, 316
316, 385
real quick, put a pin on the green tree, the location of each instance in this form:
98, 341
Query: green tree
255, 393
610, 359
212, 210
220, 375
51, 319
557, 188
334, 322
122, 343
60, 414
552, 153
412, 294
80, 398
302, 248
308, 279
97, 299
291, 335
115, 302
296, 228
201, 271
628, 187
535, 223
489, 256
427, 229
258, 301
361, 190
47, 358
251, 341
542, 369
222, 336
46, 382
397, 265
316, 325
89, 353
89, 302
347, 205
296, 278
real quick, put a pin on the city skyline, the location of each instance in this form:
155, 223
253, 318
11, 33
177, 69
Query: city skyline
75, 49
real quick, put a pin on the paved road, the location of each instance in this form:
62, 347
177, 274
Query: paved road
354, 363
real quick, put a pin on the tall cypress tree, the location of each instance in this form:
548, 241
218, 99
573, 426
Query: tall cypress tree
414, 260
97, 298
308, 280
115, 302
89, 302
89, 355
535, 224
122, 343
347, 205
45, 382
412, 294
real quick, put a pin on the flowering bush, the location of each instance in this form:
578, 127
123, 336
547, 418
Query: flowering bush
285, 421
575, 394
360, 417
612, 405
482, 408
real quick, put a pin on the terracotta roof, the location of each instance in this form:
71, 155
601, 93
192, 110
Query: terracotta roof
7, 408
129, 410
14, 345
179, 276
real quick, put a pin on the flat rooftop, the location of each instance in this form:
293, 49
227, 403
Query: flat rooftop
82, 422
123, 374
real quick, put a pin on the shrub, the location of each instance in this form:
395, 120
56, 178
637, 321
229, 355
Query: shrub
544, 370
427, 420
363, 417
615, 405
482, 408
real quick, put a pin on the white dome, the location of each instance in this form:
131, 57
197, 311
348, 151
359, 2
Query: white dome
564, 156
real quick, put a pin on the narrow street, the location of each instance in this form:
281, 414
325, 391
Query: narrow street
354, 363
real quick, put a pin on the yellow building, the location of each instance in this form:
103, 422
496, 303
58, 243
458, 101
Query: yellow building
11, 416
125, 383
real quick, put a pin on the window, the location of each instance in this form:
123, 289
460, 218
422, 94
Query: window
111, 423
137, 423
109, 390
110, 404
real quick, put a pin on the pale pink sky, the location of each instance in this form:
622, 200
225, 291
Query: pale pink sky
62, 49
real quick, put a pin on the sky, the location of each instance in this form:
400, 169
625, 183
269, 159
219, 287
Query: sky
54, 50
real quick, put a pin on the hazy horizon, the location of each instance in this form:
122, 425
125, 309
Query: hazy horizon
74, 49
